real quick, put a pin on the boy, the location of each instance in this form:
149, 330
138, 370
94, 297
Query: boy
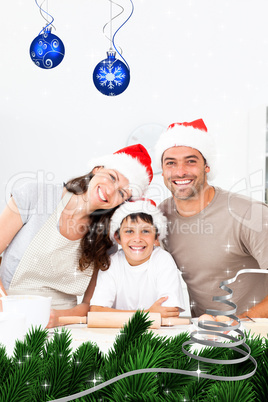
141, 276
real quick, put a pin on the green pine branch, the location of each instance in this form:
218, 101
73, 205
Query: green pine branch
238, 391
259, 380
86, 361
136, 326
22, 380
5, 365
56, 373
42, 370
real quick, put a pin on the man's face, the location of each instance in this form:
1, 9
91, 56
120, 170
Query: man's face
184, 172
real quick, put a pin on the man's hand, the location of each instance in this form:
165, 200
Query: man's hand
165, 312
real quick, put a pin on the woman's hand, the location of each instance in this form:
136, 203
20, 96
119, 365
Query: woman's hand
53, 319
80, 310
165, 312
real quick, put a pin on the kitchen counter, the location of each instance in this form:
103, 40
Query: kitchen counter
105, 337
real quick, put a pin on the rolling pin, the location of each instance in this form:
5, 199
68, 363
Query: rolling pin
118, 319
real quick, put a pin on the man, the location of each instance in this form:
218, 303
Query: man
212, 233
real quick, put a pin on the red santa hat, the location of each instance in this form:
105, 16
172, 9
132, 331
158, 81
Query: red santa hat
133, 162
193, 135
142, 205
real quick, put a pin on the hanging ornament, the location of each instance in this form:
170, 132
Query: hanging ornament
111, 76
47, 50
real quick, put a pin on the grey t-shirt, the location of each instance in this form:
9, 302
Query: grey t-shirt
230, 234
36, 202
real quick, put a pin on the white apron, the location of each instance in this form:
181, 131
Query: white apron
49, 266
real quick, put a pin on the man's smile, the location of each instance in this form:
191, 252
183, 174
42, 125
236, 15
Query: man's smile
182, 182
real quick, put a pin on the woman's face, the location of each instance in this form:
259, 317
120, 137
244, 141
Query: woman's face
108, 188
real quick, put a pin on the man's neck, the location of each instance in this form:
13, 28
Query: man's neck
196, 204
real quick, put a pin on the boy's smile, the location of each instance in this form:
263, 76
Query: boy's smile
137, 240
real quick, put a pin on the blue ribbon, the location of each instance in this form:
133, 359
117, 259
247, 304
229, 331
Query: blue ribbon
41, 12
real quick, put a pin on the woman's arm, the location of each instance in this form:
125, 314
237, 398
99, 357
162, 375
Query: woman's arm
80, 310
2, 293
2, 289
10, 224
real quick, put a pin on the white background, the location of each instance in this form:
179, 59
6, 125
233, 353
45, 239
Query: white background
188, 59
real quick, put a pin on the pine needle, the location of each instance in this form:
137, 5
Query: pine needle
86, 360
56, 373
5, 365
240, 391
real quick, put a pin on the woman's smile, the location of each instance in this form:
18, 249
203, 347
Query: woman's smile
101, 195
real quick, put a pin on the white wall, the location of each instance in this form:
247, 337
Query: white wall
188, 59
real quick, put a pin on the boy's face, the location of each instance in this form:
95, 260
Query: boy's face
137, 240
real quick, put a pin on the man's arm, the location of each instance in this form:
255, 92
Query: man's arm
260, 310
254, 235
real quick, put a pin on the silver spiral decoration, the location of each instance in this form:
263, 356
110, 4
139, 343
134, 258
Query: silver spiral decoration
118, 49
111, 20
44, 14
207, 328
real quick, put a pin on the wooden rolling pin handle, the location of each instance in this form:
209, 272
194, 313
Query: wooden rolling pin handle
117, 319
65, 320
168, 322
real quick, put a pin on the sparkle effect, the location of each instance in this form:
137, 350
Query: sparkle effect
95, 379
199, 372
228, 247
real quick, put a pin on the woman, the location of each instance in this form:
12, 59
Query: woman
56, 240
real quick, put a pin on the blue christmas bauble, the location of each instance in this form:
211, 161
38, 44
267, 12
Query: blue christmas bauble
47, 50
111, 76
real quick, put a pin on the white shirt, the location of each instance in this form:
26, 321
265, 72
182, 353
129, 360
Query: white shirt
126, 287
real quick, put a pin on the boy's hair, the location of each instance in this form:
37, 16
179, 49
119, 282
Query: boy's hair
134, 218
144, 209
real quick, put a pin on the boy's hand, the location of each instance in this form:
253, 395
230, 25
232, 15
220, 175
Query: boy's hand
164, 311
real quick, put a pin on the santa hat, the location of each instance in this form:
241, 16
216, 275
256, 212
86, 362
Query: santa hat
193, 135
133, 162
146, 206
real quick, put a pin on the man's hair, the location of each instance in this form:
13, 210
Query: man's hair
134, 218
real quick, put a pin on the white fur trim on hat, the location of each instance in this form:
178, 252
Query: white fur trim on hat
159, 220
128, 166
180, 135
